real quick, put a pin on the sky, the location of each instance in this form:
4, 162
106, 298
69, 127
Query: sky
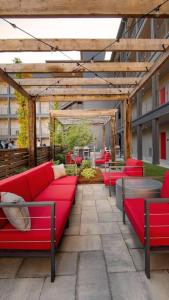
98, 28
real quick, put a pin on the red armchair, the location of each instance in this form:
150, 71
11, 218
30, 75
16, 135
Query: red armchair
105, 157
150, 220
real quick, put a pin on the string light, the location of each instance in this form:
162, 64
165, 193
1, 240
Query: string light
156, 9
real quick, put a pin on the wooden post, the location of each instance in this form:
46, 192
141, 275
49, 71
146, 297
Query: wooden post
32, 132
52, 130
113, 138
127, 128
104, 137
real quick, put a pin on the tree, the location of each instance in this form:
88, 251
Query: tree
78, 135
22, 113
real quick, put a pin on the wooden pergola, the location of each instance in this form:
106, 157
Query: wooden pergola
67, 83
95, 117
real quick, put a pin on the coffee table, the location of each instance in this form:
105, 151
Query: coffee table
137, 188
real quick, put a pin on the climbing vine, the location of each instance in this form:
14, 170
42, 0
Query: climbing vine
22, 114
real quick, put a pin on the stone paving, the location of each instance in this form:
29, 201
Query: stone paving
98, 259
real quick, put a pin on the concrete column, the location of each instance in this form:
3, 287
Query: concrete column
139, 142
155, 91
139, 104
155, 142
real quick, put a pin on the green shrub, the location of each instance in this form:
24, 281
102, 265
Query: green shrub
86, 164
60, 157
71, 170
57, 162
88, 173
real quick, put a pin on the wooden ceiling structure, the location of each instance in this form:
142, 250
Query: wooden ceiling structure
64, 80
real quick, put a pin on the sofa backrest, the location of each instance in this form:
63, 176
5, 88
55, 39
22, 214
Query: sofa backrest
18, 185
107, 156
165, 186
38, 178
133, 167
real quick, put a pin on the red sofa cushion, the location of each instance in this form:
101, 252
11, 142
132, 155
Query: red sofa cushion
37, 239
165, 187
3, 219
49, 174
57, 193
37, 180
100, 161
114, 176
16, 184
67, 180
134, 209
137, 169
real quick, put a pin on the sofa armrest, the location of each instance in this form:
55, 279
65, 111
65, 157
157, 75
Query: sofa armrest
51, 204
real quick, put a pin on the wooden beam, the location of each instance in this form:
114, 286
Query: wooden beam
82, 113
79, 91
13, 83
155, 67
79, 98
127, 129
77, 81
26, 45
96, 8
32, 133
52, 133
67, 67
104, 137
113, 137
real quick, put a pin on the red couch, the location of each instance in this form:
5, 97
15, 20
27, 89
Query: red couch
105, 157
49, 201
133, 167
150, 220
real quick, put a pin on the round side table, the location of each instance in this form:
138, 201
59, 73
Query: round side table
137, 188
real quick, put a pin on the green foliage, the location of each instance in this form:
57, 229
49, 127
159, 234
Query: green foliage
88, 173
22, 113
153, 170
71, 170
57, 162
85, 164
78, 135
60, 157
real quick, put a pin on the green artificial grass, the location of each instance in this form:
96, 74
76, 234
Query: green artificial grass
153, 170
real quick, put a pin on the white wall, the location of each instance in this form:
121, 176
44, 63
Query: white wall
134, 145
147, 144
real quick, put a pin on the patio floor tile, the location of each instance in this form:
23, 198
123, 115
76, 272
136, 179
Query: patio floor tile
106, 217
9, 267
92, 283
21, 288
63, 288
128, 286
158, 261
99, 228
117, 256
66, 264
81, 243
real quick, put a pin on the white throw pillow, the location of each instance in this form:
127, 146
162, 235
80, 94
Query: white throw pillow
59, 171
17, 216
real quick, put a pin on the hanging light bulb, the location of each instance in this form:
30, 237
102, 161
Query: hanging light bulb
157, 11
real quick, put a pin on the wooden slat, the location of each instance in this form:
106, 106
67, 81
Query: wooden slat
13, 83
76, 8
77, 81
32, 133
82, 113
127, 110
81, 98
155, 67
113, 138
19, 45
68, 67
78, 91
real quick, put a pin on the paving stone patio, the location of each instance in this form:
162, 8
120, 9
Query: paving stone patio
99, 258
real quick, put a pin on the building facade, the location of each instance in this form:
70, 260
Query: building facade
150, 107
